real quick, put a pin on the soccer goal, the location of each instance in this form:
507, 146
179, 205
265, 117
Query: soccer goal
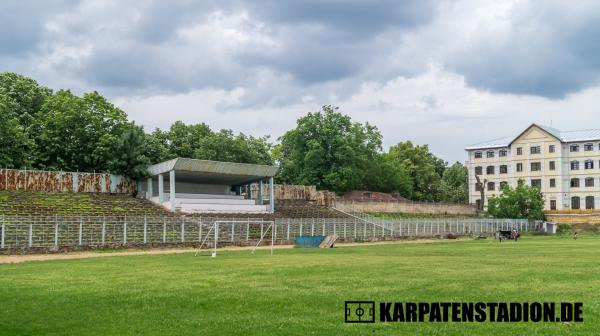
239, 231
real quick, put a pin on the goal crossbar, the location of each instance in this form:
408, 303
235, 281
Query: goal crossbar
214, 229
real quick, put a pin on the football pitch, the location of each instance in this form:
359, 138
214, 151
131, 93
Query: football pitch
300, 291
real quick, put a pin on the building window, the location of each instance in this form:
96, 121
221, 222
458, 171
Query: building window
574, 148
503, 184
552, 204
502, 153
536, 166
589, 181
574, 165
519, 167
574, 183
478, 204
589, 202
478, 155
477, 187
489, 154
552, 183
575, 202
588, 147
535, 150
478, 170
551, 149
491, 186
589, 164
536, 183
552, 165
519, 151
503, 169
489, 170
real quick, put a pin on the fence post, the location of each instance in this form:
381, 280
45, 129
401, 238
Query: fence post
312, 228
248, 230
261, 230
56, 231
164, 230
200, 232
288, 229
103, 229
301, 227
125, 230
145, 229
3, 231
232, 232
323, 223
30, 233
182, 229
365, 230
80, 229
345, 227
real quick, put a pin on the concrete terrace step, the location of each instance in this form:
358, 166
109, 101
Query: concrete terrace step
222, 208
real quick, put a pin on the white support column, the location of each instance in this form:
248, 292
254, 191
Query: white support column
172, 189
161, 189
271, 196
149, 188
260, 192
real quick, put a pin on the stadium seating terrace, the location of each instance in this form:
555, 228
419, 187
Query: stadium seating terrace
20, 203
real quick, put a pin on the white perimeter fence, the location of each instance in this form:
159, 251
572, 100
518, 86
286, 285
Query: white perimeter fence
82, 231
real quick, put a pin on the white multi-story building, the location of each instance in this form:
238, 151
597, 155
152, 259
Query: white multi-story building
565, 165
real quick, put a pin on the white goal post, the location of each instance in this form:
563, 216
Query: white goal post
230, 226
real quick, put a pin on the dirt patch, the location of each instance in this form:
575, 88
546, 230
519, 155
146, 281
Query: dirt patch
14, 259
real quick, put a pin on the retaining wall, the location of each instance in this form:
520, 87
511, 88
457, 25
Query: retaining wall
55, 181
408, 207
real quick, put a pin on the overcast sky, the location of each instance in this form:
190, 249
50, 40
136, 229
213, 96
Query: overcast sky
444, 73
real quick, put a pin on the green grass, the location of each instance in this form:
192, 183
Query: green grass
299, 292
401, 215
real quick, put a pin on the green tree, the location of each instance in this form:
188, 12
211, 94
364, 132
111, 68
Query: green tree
385, 175
78, 133
185, 139
128, 154
225, 146
523, 202
328, 150
454, 185
422, 166
156, 146
23, 97
16, 147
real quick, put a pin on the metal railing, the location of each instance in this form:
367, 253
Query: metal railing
88, 231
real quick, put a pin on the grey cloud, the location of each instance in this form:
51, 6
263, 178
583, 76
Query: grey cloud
22, 23
551, 50
320, 41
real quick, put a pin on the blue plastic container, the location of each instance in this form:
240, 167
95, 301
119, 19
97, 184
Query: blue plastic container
309, 241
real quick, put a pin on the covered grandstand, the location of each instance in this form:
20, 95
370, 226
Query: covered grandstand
201, 186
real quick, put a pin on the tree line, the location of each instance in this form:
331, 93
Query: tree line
57, 130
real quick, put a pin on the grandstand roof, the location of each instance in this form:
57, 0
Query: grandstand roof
563, 136
214, 172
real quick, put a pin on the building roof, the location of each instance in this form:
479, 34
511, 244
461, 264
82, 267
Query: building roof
213, 172
563, 136
496, 143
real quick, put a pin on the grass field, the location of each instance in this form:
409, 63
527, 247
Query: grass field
299, 292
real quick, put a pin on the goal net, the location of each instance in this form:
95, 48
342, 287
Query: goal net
238, 232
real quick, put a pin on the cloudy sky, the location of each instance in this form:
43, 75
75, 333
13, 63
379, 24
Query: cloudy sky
445, 73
